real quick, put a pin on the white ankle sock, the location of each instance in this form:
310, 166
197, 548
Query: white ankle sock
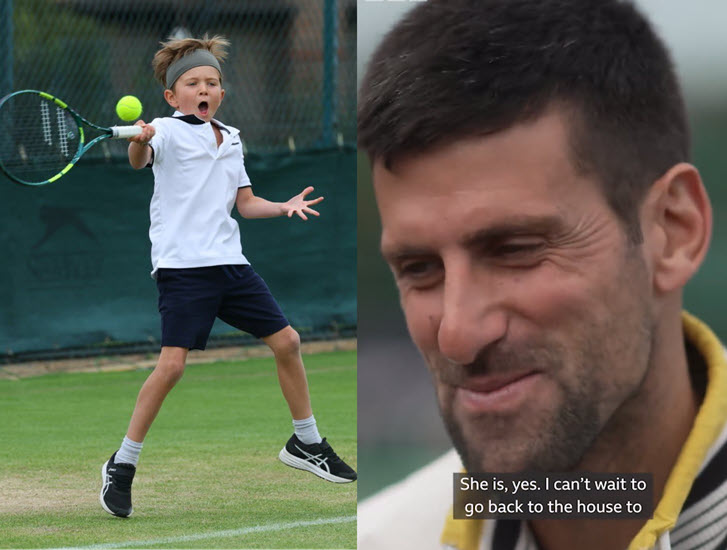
307, 431
129, 452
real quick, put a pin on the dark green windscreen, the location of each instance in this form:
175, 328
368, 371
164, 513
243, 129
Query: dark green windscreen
75, 253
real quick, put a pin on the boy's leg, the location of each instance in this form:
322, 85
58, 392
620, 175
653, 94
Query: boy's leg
188, 303
285, 345
163, 378
118, 472
316, 457
249, 306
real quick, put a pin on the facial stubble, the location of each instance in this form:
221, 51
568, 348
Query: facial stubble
591, 403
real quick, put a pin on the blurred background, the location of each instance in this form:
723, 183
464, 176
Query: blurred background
399, 426
75, 254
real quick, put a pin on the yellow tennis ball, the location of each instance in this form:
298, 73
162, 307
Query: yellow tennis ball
128, 108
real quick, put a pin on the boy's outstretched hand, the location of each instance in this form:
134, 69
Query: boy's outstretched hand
298, 205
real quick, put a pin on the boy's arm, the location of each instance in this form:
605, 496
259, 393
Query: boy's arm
139, 150
250, 206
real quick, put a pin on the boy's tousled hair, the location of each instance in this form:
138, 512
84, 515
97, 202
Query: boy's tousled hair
457, 69
176, 48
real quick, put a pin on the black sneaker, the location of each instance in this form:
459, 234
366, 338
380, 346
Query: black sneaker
318, 459
116, 489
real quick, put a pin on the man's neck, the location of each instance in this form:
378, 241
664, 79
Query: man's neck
643, 439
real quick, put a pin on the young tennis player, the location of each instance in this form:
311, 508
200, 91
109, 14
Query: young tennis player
201, 273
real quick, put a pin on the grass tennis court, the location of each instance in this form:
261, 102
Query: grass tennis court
209, 476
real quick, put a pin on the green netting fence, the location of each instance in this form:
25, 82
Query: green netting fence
290, 77
74, 255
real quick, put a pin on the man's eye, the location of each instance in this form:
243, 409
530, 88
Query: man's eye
415, 268
525, 254
517, 249
418, 270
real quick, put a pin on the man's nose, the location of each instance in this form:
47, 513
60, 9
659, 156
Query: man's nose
472, 314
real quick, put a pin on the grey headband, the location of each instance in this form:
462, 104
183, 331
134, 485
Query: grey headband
198, 58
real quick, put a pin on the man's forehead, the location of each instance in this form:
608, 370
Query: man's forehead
532, 154
558, 122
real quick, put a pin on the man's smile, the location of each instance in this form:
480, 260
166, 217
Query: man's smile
497, 393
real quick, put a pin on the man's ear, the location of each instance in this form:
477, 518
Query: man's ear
677, 224
171, 98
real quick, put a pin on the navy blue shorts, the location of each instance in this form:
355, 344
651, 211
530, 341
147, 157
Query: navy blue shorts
191, 298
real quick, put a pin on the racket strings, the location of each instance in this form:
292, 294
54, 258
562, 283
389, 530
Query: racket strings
38, 139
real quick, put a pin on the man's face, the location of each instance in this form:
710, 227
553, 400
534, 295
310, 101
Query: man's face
522, 292
197, 92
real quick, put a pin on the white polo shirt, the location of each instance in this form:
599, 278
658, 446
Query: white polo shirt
195, 186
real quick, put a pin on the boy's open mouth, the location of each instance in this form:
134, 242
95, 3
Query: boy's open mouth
203, 108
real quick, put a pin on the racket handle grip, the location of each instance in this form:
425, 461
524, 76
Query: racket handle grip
126, 131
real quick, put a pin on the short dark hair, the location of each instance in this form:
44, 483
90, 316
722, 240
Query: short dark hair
454, 69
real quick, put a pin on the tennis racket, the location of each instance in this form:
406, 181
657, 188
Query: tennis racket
42, 138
